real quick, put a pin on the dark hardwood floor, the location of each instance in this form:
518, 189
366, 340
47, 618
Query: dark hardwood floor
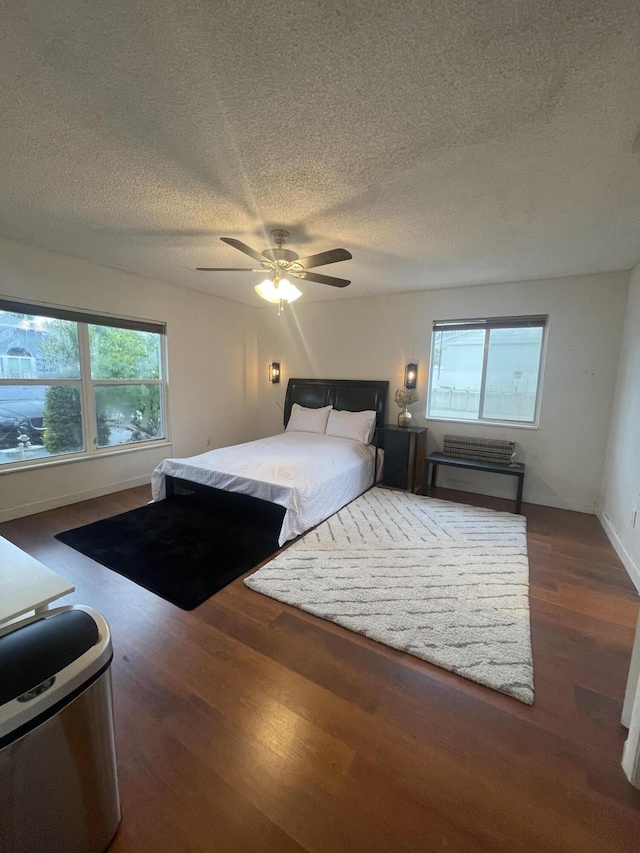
248, 725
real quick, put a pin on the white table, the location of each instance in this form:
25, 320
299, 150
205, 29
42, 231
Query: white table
25, 584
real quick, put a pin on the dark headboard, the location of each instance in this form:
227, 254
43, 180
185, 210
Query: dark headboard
351, 395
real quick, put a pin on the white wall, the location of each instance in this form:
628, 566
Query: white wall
212, 370
622, 469
219, 352
373, 338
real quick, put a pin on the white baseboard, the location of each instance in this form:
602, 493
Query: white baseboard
558, 503
633, 570
66, 500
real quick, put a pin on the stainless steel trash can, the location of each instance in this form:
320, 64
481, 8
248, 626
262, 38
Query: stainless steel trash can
58, 782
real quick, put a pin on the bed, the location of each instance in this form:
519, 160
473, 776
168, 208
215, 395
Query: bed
311, 475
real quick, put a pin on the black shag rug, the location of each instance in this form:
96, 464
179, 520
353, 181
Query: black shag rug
184, 548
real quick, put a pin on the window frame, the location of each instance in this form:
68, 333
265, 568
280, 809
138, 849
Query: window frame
86, 384
487, 324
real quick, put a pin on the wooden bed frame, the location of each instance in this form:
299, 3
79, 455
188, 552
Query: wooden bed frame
351, 395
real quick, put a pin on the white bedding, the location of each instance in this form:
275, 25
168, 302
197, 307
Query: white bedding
311, 475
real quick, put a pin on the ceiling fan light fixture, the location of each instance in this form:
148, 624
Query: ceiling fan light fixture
283, 291
289, 292
267, 290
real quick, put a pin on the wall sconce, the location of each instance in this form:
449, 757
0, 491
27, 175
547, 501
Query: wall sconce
274, 372
411, 375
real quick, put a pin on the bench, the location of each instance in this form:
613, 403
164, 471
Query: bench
475, 447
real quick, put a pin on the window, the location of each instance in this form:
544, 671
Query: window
73, 383
486, 370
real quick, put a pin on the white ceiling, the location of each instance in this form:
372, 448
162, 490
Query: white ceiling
443, 143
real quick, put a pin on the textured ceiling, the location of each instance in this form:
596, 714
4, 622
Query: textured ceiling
442, 143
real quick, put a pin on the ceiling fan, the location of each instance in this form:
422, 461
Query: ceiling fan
283, 264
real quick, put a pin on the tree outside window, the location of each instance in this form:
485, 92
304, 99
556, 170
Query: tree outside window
66, 386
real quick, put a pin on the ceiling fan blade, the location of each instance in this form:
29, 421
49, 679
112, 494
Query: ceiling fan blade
326, 279
224, 269
242, 247
330, 257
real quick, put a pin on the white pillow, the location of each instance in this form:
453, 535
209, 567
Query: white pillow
308, 420
358, 426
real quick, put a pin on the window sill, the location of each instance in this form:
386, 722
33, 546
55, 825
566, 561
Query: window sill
67, 460
506, 424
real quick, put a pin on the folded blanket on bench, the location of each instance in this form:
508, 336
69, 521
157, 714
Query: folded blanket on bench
481, 449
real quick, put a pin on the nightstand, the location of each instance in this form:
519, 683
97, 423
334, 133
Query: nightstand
405, 450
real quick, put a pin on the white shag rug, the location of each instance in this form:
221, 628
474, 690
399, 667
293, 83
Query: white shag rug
446, 582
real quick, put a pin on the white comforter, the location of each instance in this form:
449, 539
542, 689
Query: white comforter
311, 475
